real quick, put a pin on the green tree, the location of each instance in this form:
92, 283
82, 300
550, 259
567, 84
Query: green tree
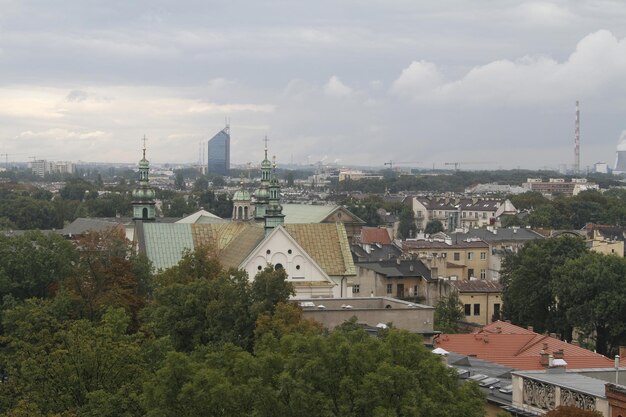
433, 226
270, 287
73, 367
592, 291
407, 227
78, 189
200, 185
34, 264
448, 313
179, 181
527, 279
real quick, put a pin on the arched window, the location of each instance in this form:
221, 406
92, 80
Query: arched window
245, 212
240, 212
278, 267
144, 213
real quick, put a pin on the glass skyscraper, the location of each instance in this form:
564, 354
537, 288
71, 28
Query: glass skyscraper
219, 153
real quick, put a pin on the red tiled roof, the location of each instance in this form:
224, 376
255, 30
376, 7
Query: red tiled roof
518, 348
375, 235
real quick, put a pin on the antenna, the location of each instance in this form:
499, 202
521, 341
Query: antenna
577, 140
144, 146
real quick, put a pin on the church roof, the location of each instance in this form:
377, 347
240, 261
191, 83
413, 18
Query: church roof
327, 244
198, 217
164, 244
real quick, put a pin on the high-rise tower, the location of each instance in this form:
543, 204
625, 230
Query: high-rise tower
218, 152
577, 141
620, 158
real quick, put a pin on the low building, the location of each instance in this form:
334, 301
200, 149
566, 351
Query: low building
559, 186
371, 311
399, 278
482, 300
502, 241
455, 260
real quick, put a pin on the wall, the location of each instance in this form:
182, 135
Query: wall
486, 302
372, 310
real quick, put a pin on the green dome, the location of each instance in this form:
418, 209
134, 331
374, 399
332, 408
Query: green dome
144, 163
143, 194
241, 195
262, 194
266, 163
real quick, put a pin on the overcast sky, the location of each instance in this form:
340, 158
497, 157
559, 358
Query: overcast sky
489, 83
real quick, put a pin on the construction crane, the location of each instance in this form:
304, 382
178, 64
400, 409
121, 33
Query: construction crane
457, 165
391, 163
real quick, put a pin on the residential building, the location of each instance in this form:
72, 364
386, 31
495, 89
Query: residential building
502, 241
454, 260
399, 278
482, 300
218, 158
456, 213
559, 186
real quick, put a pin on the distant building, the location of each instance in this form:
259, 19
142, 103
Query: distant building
218, 158
601, 168
559, 186
41, 167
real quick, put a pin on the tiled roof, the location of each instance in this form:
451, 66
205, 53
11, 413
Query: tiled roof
505, 234
393, 269
426, 244
520, 350
233, 241
83, 225
306, 213
197, 216
327, 244
375, 235
165, 242
477, 285
376, 253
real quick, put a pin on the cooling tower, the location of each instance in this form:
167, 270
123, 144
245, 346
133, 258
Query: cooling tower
620, 161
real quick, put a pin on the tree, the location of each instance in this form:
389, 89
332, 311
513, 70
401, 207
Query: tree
104, 277
34, 264
70, 367
270, 287
200, 185
527, 276
407, 227
433, 226
592, 291
448, 313
346, 373
179, 181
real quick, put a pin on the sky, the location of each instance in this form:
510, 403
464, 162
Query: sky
489, 84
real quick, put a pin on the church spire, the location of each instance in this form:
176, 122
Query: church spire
274, 214
143, 196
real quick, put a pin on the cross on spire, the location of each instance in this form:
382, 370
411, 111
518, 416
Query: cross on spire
144, 146
266, 140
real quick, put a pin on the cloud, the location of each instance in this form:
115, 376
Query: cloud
597, 65
335, 88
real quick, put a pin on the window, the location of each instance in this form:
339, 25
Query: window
477, 309
268, 251
496, 311
389, 288
470, 256
356, 288
470, 273
483, 273
457, 256
415, 292
468, 309
483, 255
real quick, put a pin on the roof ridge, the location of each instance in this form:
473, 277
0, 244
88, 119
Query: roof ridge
528, 344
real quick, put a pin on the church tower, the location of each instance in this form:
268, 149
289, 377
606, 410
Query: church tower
143, 195
274, 214
262, 194
242, 204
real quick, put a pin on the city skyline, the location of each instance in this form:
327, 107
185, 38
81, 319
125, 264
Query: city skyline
494, 85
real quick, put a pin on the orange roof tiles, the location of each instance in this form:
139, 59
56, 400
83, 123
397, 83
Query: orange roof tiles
509, 345
375, 235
